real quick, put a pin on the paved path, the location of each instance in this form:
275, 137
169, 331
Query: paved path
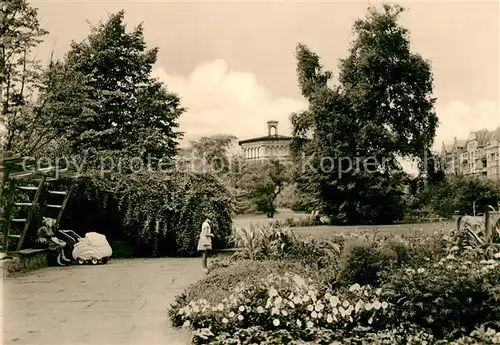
123, 302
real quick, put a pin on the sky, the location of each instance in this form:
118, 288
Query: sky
233, 63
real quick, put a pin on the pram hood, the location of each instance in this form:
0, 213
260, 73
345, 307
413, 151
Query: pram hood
97, 240
93, 245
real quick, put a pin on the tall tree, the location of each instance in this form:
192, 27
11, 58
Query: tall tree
381, 108
263, 181
131, 113
20, 33
211, 154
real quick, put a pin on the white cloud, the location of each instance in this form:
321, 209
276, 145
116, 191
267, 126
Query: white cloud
223, 101
458, 120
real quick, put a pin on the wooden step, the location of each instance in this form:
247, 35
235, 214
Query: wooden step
19, 220
20, 176
54, 206
52, 179
23, 204
27, 188
57, 192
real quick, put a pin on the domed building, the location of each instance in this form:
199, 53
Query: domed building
272, 146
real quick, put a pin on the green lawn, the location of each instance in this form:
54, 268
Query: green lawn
326, 230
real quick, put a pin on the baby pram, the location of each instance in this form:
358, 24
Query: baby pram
93, 248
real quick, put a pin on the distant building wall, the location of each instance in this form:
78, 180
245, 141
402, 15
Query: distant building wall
478, 155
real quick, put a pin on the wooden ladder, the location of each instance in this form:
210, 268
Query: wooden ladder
11, 178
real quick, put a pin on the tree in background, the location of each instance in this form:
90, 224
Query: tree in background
263, 181
20, 33
380, 109
458, 194
124, 110
210, 154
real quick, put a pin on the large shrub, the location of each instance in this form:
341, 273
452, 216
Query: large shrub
365, 257
161, 212
459, 193
450, 297
436, 302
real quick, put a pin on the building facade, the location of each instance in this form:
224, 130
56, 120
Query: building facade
272, 146
478, 155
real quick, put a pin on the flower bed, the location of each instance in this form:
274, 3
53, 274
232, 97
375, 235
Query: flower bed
419, 294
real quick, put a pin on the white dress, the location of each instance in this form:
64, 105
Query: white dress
205, 240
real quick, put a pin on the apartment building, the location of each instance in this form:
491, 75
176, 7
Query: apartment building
478, 155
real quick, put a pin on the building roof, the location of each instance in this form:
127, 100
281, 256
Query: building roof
483, 137
266, 138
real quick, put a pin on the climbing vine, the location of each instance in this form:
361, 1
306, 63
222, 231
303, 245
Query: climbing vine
161, 212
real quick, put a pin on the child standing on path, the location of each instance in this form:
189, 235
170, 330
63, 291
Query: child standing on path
205, 242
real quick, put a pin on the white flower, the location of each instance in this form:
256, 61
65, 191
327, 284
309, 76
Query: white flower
240, 317
220, 307
273, 292
186, 324
342, 311
276, 322
224, 320
291, 304
370, 321
241, 308
421, 270
385, 305
231, 314
377, 305
327, 296
299, 323
497, 255
306, 298
329, 318
275, 311
368, 306
299, 280
284, 313
358, 306
310, 307
297, 300
334, 301
378, 291
260, 310
345, 304
310, 324
314, 315
355, 287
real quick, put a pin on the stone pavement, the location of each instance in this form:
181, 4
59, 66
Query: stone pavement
122, 302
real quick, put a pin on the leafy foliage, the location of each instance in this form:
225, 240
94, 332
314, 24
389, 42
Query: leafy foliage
458, 194
161, 212
381, 109
422, 296
263, 181
125, 111
19, 71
